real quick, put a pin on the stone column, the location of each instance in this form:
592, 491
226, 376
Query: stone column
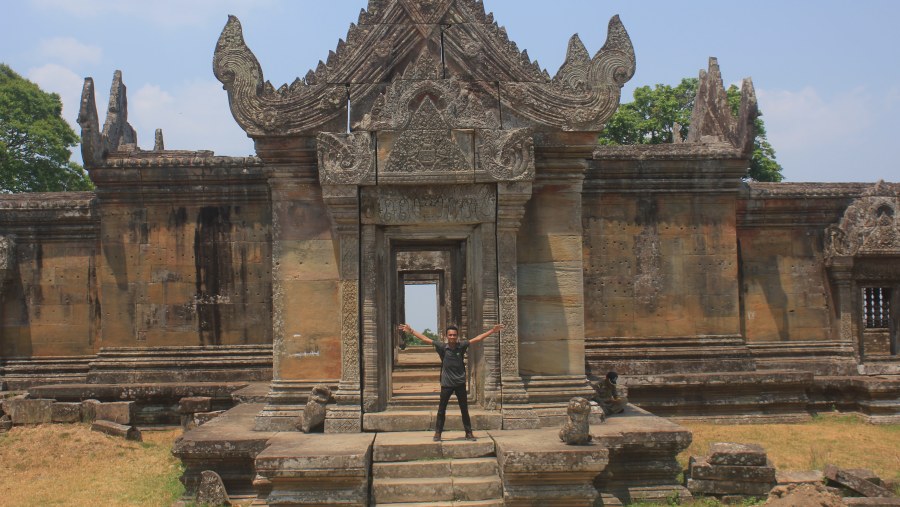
511, 199
343, 206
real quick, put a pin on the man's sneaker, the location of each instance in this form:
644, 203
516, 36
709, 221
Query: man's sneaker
470, 436
437, 436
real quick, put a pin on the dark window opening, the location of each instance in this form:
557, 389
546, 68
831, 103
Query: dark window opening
876, 307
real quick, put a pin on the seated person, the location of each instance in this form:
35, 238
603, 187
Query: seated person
611, 399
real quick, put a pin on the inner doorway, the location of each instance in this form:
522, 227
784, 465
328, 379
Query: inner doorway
428, 293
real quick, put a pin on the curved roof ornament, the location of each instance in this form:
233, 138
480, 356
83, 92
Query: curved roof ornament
582, 96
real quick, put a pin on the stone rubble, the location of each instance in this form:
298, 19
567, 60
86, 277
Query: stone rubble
731, 469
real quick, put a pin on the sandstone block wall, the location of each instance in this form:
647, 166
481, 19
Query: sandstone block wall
50, 298
660, 247
784, 284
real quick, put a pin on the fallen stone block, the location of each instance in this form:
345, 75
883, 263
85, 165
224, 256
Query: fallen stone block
849, 479
211, 490
704, 487
65, 412
116, 411
868, 475
24, 411
799, 477
5, 423
732, 454
863, 501
89, 410
117, 430
699, 468
194, 404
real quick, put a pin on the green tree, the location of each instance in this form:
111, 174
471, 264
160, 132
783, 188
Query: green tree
35, 141
657, 112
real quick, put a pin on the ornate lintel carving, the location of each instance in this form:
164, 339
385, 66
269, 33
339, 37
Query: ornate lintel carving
870, 226
450, 204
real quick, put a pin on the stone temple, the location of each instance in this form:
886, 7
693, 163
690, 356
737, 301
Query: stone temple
428, 148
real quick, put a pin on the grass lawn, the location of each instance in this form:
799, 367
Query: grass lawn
70, 465
844, 440
67, 464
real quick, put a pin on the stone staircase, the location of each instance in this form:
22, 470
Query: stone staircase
409, 470
416, 378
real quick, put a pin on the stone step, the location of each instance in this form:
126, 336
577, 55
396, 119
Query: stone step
471, 467
436, 488
416, 375
411, 446
474, 503
422, 418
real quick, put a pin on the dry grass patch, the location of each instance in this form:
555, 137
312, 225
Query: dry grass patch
845, 440
71, 465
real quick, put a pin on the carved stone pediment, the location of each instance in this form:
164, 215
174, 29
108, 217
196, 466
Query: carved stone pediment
391, 33
870, 225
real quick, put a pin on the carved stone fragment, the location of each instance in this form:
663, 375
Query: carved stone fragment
711, 119
576, 431
314, 413
212, 490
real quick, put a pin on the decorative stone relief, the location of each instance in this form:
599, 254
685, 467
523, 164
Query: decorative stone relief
506, 155
870, 225
117, 134
8, 260
450, 204
648, 265
427, 147
346, 159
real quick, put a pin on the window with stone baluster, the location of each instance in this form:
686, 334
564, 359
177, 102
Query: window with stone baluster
876, 308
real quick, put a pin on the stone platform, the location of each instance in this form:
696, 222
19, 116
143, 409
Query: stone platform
632, 458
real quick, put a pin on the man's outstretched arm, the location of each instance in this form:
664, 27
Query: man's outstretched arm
487, 333
407, 329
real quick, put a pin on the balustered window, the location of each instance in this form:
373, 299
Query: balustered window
876, 307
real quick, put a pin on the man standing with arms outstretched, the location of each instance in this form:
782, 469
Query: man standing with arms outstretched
453, 373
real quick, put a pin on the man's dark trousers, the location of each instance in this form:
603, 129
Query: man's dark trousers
463, 400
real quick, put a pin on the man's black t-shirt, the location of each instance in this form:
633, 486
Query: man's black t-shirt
453, 369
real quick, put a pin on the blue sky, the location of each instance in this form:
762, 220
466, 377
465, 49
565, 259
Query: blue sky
827, 73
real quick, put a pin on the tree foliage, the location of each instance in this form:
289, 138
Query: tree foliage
35, 141
656, 113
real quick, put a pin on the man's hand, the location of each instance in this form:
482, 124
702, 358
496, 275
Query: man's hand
406, 328
482, 336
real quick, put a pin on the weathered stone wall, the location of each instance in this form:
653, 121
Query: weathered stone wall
660, 245
50, 298
785, 287
185, 252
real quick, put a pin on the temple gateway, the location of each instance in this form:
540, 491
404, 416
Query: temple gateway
428, 148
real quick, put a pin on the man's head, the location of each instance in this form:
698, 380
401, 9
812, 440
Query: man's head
452, 333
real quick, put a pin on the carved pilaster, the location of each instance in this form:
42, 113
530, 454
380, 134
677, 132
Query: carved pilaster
511, 199
841, 271
369, 316
343, 207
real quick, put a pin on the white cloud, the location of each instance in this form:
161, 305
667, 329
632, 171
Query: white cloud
62, 80
830, 138
193, 116
69, 51
166, 13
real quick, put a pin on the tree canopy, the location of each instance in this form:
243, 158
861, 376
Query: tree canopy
657, 112
35, 141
